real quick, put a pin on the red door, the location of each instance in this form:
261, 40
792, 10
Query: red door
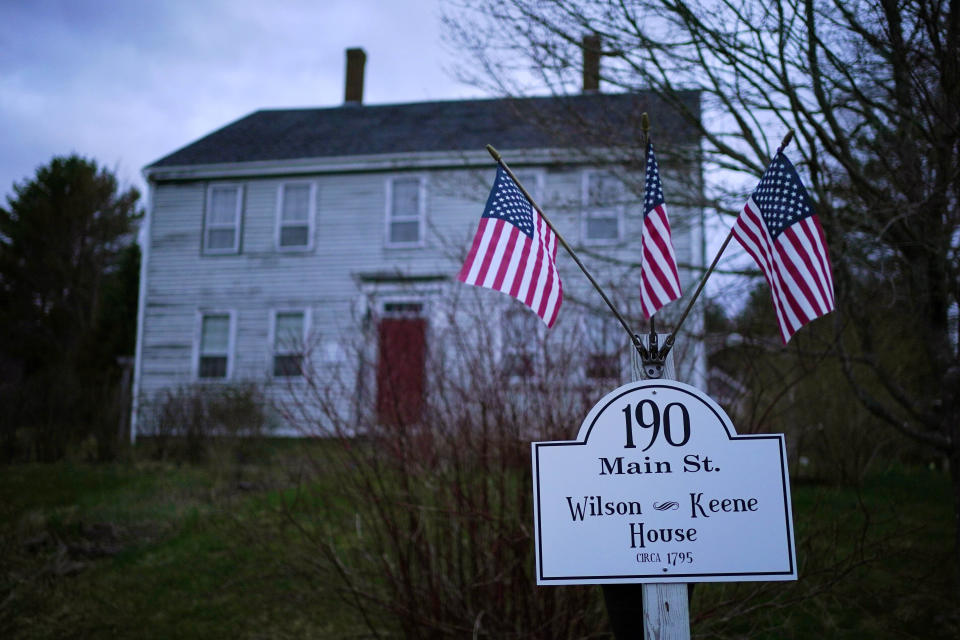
401, 369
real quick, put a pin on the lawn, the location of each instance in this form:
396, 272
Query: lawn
151, 550
161, 550
874, 562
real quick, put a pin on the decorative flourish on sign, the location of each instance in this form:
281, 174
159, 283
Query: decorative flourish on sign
663, 506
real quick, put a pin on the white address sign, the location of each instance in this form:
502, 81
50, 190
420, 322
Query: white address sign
658, 487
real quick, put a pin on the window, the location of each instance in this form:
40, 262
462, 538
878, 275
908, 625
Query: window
295, 215
521, 331
215, 345
603, 339
222, 224
289, 337
531, 181
603, 207
401, 309
405, 211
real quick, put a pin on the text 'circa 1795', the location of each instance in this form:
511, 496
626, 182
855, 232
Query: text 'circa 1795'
659, 487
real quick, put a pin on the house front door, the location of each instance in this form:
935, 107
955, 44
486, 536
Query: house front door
401, 362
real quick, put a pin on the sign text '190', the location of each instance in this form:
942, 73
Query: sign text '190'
648, 416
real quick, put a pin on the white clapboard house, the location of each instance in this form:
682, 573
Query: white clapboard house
284, 236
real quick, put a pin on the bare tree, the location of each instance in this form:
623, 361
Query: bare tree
870, 87
434, 495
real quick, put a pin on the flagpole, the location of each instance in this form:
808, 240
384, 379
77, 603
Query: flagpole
634, 338
703, 281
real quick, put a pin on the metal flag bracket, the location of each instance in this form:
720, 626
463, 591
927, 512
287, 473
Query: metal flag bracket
653, 363
652, 358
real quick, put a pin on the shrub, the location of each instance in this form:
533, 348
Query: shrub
182, 423
428, 520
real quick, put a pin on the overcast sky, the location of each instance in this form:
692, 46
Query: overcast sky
128, 81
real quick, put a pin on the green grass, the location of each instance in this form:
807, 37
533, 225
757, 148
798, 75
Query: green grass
153, 550
874, 562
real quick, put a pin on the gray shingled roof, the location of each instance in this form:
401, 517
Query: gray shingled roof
462, 125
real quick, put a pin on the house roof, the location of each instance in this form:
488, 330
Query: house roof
581, 121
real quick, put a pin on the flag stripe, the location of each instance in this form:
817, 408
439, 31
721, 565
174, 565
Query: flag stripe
556, 293
797, 288
786, 288
522, 258
467, 271
505, 264
662, 238
819, 241
656, 253
545, 295
491, 237
668, 280
776, 286
472, 263
793, 252
515, 263
748, 231
793, 248
657, 284
533, 299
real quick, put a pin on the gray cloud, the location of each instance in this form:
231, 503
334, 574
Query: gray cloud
128, 82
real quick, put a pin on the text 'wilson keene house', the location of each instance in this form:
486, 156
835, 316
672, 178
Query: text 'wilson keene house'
325, 243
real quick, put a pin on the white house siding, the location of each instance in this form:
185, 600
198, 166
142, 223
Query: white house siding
349, 249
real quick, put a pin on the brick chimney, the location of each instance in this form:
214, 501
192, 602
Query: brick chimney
591, 63
353, 91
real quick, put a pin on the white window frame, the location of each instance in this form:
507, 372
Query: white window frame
274, 351
593, 211
198, 338
311, 216
535, 188
421, 217
236, 225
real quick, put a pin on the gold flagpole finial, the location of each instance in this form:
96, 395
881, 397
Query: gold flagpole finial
786, 140
493, 152
645, 123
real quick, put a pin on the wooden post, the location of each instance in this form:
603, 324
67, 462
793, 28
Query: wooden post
666, 607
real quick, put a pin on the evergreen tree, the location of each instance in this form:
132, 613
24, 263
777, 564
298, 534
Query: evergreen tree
65, 238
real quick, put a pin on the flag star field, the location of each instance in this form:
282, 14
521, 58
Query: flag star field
781, 197
508, 203
653, 191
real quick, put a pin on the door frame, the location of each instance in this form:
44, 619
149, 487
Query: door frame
377, 295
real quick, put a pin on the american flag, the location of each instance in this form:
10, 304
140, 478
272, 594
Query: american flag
779, 228
514, 251
659, 282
